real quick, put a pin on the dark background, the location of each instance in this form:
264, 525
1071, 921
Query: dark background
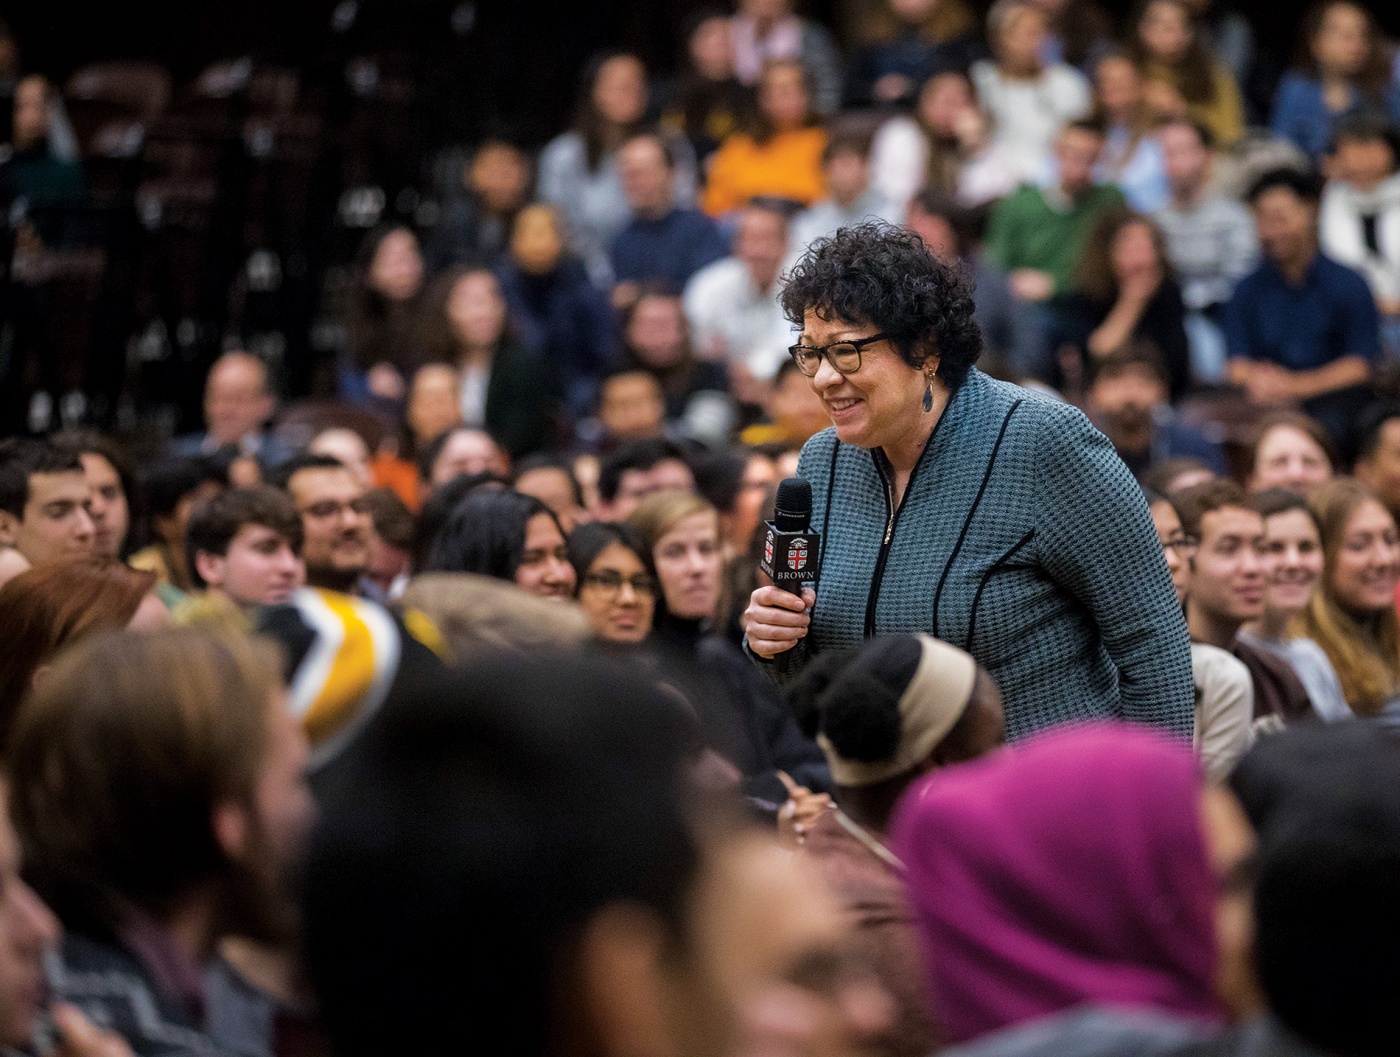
520, 61
160, 276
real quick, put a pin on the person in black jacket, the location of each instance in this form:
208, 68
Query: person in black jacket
505, 388
1125, 291
744, 717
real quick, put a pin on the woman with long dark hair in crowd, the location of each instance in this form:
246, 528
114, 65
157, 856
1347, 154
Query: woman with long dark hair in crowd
945, 145
578, 169
617, 587
1183, 78
385, 340
745, 719
656, 339
707, 102
1352, 614
514, 537
779, 153
1126, 292
502, 387
1343, 65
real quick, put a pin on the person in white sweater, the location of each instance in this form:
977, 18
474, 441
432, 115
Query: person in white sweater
1028, 101
1359, 219
944, 146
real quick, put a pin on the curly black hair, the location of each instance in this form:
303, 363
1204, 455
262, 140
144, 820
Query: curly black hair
884, 276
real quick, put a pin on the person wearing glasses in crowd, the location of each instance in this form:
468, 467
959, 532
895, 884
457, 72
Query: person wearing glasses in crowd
336, 523
952, 504
617, 584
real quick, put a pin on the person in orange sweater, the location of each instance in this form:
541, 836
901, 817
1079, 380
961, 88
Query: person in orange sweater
780, 155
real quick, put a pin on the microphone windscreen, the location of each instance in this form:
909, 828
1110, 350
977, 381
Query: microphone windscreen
793, 508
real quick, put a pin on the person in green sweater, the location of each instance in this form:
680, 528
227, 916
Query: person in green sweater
1037, 233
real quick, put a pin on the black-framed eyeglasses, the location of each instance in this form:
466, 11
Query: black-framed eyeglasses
329, 508
1181, 543
844, 356
610, 582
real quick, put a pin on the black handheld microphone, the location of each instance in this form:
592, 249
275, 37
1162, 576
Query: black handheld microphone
791, 550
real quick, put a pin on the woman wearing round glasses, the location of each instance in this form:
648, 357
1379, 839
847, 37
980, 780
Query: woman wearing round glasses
949, 503
617, 585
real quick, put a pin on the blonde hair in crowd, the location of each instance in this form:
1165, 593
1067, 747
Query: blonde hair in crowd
1366, 653
658, 514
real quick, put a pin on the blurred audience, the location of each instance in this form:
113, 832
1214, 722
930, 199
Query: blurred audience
556, 310
1037, 234
476, 222
707, 103
1211, 241
1125, 293
850, 198
1300, 327
1028, 99
778, 153
1342, 65
501, 386
1184, 81
910, 42
385, 317
769, 31
1359, 217
1290, 451
238, 402
732, 305
1127, 398
661, 243
579, 172
944, 146
1132, 157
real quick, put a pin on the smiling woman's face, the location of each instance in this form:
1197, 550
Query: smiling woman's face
1367, 566
874, 405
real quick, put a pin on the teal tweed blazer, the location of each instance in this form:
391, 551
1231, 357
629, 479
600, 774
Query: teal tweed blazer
1023, 539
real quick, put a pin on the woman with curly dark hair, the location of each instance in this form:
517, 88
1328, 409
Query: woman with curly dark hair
991, 517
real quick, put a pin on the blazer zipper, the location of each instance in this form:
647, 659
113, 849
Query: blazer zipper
893, 519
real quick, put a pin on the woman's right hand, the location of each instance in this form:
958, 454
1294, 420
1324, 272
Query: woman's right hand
777, 619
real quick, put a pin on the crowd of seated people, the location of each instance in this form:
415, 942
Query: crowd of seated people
422, 711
